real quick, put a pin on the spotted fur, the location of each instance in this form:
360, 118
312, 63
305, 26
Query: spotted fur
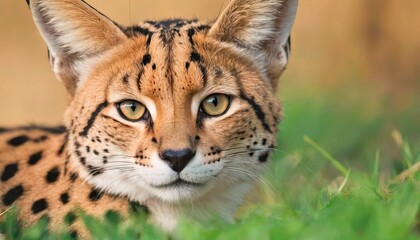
100, 161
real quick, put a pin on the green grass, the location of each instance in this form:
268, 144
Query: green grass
334, 176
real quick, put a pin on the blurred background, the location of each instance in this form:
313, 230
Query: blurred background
352, 86
353, 79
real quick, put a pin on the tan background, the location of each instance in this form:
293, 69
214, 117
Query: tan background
348, 40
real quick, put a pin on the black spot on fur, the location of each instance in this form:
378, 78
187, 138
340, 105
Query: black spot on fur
17, 141
195, 57
73, 176
12, 195
53, 175
264, 141
146, 59
62, 147
125, 78
78, 153
9, 172
65, 198
187, 65
92, 118
154, 66
218, 72
39, 205
95, 195
263, 157
34, 158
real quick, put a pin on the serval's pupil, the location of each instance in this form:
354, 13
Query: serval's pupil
166, 114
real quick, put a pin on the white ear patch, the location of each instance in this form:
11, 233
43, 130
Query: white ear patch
76, 35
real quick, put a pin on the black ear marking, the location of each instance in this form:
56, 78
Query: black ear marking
29, 3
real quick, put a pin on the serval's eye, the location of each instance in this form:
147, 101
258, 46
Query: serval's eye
131, 110
215, 105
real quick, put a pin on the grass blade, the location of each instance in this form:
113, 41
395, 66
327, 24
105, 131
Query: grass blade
327, 155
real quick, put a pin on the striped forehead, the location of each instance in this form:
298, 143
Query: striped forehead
166, 30
171, 61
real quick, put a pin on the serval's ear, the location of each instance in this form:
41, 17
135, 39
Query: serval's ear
76, 35
260, 27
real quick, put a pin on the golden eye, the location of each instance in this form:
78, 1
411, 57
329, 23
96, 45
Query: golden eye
131, 110
216, 104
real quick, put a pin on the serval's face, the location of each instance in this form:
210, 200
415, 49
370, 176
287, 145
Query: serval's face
170, 110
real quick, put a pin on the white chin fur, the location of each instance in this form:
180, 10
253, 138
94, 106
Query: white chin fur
213, 192
182, 193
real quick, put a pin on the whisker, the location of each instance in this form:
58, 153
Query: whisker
253, 176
